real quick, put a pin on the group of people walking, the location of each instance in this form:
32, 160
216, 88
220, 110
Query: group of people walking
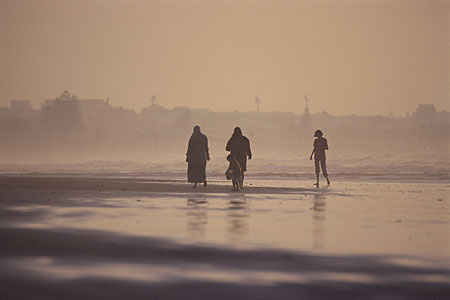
238, 145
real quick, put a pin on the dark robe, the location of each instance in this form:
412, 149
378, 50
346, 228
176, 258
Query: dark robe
239, 145
196, 156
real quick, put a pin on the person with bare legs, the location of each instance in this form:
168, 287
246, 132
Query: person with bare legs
234, 172
319, 147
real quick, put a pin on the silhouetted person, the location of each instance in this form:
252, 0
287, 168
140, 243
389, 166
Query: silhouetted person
197, 155
239, 145
234, 172
320, 145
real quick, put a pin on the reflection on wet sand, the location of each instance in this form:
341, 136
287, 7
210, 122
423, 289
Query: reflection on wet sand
386, 241
319, 219
196, 216
237, 219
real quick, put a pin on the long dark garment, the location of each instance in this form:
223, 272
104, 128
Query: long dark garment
196, 156
239, 145
196, 173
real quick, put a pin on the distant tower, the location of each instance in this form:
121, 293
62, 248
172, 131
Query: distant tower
258, 102
153, 99
306, 111
305, 122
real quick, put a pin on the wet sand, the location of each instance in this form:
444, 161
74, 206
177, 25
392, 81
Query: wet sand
95, 237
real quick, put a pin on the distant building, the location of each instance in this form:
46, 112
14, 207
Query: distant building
4, 112
153, 109
443, 117
48, 102
156, 113
90, 108
425, 114
92, 104
21, 108
181, 109
199, 110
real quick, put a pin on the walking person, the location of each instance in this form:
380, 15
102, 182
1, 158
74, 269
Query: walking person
234, 172
239, 145
197, 155
319, 147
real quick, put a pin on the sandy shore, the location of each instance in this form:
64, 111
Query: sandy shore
111, 184
91, 237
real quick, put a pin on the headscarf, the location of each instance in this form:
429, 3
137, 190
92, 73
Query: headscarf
237, 131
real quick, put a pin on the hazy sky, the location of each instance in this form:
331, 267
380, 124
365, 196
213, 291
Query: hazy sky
363, 57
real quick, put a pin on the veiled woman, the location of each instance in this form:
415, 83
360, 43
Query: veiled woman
197, 155
239, 145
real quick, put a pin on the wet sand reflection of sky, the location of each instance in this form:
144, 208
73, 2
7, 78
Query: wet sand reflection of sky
349, 239
345, 218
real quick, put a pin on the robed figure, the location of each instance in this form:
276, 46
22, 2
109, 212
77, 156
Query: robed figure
239, 145
197, 155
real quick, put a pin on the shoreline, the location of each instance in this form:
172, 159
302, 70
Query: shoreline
131, 184
214, 178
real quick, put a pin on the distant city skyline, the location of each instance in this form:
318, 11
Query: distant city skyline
37, 105
23, 108
348, 57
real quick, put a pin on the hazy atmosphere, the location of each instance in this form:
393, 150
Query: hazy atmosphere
226, 150
361, 57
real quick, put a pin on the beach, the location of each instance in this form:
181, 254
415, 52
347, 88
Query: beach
120, 122
84, 236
